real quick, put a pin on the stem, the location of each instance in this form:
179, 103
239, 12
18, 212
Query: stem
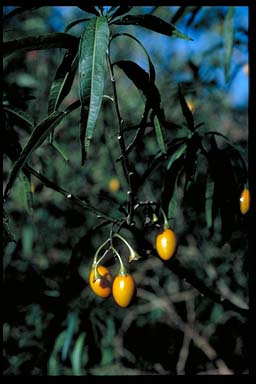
122, 270
166, 225
48, 183
96, 262
121, 238
133, 254
125, 162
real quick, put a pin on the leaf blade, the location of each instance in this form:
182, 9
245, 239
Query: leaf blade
91, 68
37, 137
153, 23
63, 80
186, 111
160, 135
228, 41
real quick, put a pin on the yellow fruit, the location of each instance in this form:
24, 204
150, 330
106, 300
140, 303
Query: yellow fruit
123, 289
101, 287
166, 243
245, 201
114, 185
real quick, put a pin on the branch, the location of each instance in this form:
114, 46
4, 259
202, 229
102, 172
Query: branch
47, 41
82, 204
125, 161
189, 276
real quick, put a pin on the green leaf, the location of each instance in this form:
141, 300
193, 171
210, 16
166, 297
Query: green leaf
186, 111
36, 139
7, 235
77, 354
19, 10
27, 240
91, 69
141, 80
153, 23
20, 115
191, 158
72, 324
47, 41
53, 368
228, 41
152, 73
26, 196
120, 10
177, 154
90, 9
169, 186
172, 207
209, 192
63, 80
184, 10
75, 22
159, 134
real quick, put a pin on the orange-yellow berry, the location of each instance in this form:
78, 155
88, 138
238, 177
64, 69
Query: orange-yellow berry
166, 243
245, 201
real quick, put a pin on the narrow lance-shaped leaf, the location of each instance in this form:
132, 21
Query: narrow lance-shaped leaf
186, 111
153, 23
172, 206
47, 41
19, 10
91, 68
160, 134
77, 354
90, 9
120, 10
169, 186
7, 235
228, 41
53, 367
20, 115
72, 324
63, 80
191, 158
142, 81
152, 72
26, 195
209, 192
177, 154
36, 139
75, 22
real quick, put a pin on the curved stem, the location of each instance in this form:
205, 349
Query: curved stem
122, 270
125, 162
95, 262
166, 225
82, 204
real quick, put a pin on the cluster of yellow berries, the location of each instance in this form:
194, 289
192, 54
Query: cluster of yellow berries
123, 286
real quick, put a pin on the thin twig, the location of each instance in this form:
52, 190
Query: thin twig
125, 161
82, 204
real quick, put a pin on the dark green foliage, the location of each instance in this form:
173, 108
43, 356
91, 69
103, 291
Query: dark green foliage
163, 156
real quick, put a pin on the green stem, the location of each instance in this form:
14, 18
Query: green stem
125, 162
166, 225
95, 261
133, 254
122, 270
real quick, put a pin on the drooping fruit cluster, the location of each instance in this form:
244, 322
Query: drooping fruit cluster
122, 287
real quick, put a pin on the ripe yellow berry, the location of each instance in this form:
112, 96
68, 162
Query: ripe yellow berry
114, 184
245, 201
